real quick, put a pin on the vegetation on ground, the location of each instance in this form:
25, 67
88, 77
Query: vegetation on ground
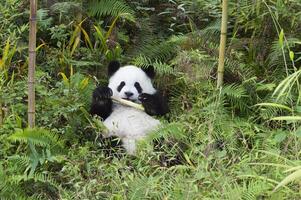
239, 142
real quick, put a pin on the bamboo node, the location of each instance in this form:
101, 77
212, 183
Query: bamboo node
32, 19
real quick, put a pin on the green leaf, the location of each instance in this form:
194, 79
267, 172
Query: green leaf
275, 105
289, 178
287, 118
280, 136
281, 36
298, 109
292, 55
65, 79
298, 132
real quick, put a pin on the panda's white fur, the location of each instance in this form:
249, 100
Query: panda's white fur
128, 123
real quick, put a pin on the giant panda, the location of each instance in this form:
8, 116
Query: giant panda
127, 123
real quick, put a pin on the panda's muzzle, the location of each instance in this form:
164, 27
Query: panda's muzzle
128, 94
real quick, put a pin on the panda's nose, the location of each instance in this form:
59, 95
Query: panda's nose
129, 94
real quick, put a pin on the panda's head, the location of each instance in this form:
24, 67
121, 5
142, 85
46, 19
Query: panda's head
129, 81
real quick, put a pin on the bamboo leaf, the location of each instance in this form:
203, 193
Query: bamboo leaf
75, 44
87, 38
293, 169
275, 105
71, 71
289, 178
292, 55
285, 86
281, 36
111, 28
287, 118
6, 50
74, 36
1, 64
100, 35
65, 79
40, 46
84, 83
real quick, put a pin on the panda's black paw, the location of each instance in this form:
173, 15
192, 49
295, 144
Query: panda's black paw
154, 104
145, 98
149, 103
102, 92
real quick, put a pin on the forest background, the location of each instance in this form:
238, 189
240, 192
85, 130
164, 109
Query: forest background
238, 142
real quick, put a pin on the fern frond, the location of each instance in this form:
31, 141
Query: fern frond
113, 8
21, 162
65, 7
234, 91
144, 34
156, 52
169, 130
37, 136
275, 56
37, 177
165, 131
160, 67
211, 31
247, 191
159, 49
236, 94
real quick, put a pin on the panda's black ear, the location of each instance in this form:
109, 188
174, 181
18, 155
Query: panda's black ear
113, 67
150, 71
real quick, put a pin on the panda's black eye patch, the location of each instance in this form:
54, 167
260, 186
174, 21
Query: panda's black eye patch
138, 87
120, 86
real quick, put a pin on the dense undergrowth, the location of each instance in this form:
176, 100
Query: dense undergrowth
239, 142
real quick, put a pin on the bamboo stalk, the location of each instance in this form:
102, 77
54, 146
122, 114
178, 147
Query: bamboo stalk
79, 18
128, 103
32, 63
222, 48
1, 114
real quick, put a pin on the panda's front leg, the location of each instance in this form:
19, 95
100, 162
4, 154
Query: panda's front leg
130, 145
102, 102
154, 104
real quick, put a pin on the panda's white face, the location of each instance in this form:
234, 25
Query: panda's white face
129, 82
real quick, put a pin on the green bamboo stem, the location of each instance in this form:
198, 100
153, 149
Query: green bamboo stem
222, 48
32, 63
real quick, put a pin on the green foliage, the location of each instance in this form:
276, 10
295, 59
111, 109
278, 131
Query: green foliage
34, 138
253, 190
9, 15
236, 94
239, 142
37, 137
161, 50
113, 8
66, 10
14, 172
161, 68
